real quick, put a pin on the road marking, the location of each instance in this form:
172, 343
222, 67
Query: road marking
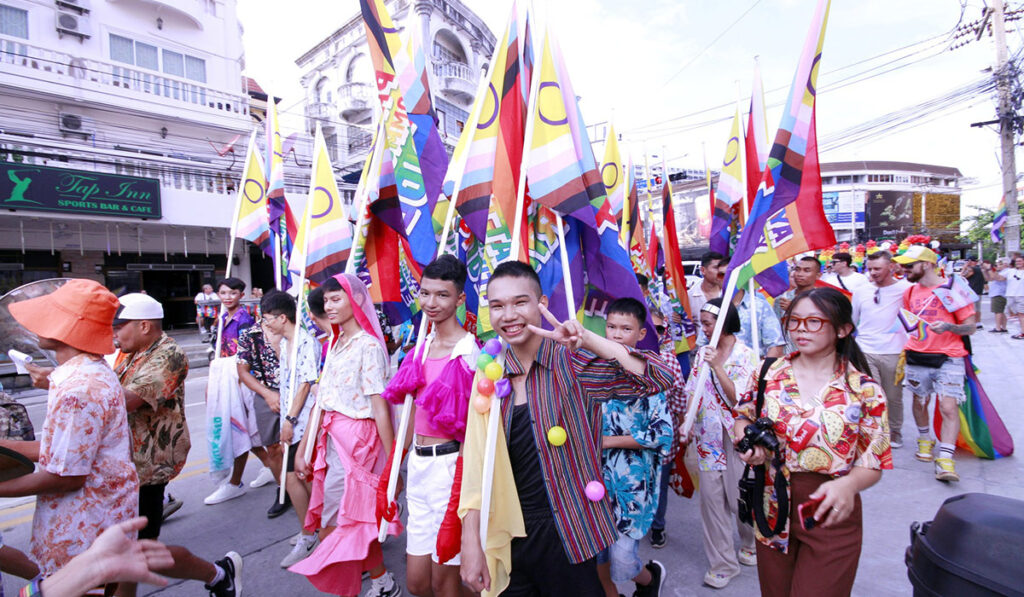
17, 522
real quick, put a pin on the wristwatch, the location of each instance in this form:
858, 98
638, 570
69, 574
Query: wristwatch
293, 420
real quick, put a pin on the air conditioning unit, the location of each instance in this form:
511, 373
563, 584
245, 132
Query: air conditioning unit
71, 22
76, 124
82, 6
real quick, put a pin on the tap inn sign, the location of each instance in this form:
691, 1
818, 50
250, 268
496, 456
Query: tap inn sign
60, 190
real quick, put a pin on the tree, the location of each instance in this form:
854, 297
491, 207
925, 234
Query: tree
979, 227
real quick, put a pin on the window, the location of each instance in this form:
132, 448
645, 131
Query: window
13, 21
174, 63
143, 55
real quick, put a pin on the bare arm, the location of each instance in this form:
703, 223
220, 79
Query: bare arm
382, 416
624, 442
29, 450
132, 401
41, 482
272, 398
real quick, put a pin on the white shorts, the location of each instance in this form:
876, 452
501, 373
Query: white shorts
1015, 304
429, 489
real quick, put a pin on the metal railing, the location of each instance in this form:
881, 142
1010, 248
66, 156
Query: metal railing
47, 64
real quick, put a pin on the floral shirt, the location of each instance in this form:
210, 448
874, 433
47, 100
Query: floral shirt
307, 371
712, 412
233, 326
844, 426
254, 351
356, 369
160, 439
85, 433
769, 330
633, 477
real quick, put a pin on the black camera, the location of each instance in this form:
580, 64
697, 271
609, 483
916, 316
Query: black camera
759, 433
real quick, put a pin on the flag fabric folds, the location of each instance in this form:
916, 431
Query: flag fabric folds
613, 174
756, 141
982, 431
325, 238
632, 229
684, 333
788, 216
999, 221
283, 227
253, 219
492, 151
729, 194
416, 201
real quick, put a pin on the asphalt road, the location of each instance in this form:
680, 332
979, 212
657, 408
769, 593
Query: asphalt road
907, 494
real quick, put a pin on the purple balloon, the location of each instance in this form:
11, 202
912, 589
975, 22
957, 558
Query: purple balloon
492, 347
502, 387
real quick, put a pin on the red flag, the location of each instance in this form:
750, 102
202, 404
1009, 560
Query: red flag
675, 278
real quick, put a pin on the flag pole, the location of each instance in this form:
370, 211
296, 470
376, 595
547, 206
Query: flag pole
231, 243
421, 334
307, 219
494, 413
755, 331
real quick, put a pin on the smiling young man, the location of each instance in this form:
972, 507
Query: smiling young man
440, 376
550, 531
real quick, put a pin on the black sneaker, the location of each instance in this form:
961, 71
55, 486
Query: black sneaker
277, 508
231, 584
658, 538
653, 588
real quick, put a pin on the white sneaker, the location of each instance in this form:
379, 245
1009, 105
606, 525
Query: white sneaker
265, 477
303, 547
385, 586
224, 493
295, 538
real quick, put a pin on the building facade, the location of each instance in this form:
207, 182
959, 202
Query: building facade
339, 82
122, 133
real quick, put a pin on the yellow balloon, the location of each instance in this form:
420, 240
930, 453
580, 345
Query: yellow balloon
557, 435
494, 371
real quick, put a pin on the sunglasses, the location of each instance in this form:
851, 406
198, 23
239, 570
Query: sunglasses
811, 324
660, 329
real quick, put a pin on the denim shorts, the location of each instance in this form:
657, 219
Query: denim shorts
624, 555
947, 381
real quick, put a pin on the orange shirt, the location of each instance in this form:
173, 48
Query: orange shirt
921, 301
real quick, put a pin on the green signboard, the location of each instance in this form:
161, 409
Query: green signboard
40, 188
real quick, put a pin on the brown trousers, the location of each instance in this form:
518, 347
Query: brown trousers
821, 562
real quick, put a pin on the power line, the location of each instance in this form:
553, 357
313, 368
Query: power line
713, 42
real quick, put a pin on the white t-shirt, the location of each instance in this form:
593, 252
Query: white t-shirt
1014, 281
205, 297
849, 282
877, 329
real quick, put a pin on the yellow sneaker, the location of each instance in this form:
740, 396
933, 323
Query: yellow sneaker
924, 449
945, 470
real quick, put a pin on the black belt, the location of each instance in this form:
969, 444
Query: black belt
438, 449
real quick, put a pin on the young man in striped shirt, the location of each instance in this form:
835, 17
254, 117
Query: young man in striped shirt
559, 378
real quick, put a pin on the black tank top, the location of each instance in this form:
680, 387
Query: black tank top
525, 460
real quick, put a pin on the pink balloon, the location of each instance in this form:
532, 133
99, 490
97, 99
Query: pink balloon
594, 491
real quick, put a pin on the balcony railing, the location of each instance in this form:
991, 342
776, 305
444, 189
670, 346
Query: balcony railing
355, 100
123, 79
455, 79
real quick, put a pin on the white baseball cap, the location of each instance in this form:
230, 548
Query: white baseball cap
136, 306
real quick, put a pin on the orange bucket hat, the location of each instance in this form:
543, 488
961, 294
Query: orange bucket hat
79, 314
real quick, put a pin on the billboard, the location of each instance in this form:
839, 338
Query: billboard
842, 207
890, 214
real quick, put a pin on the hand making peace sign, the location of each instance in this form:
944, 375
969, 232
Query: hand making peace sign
568, 333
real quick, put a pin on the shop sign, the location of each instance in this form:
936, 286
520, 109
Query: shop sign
60, 190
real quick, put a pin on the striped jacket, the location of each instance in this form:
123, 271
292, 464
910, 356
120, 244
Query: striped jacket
566, 388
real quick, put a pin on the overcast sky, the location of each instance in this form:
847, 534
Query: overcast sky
656, 72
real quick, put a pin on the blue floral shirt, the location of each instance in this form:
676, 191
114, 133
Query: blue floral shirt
632, 477
769, 330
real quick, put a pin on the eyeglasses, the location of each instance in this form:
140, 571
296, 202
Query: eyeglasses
811, 324
660, 329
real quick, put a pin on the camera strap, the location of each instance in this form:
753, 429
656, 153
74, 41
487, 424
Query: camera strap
781, 486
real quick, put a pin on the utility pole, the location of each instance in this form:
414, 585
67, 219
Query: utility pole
1006, 131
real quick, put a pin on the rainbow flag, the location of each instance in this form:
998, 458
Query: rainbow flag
912, 324
325, 237
253, 221
283, 227
788, 216
632, 228
489, 155
684, 334
999, 221
729, 194
415, 203
982, 431
756, 141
